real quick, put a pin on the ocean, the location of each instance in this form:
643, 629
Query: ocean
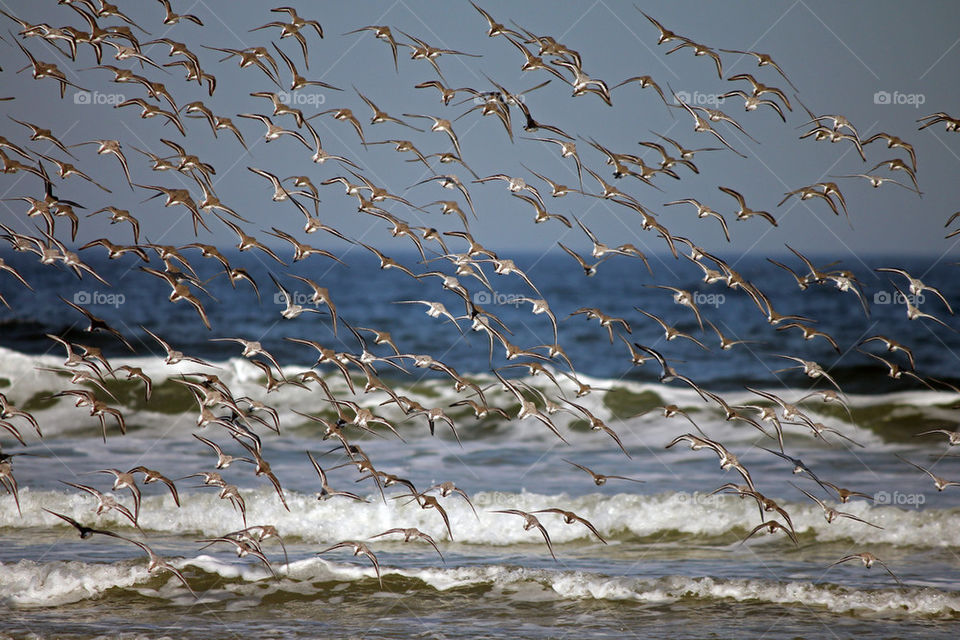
674, 562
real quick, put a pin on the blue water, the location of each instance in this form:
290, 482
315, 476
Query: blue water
622, 286
674, 552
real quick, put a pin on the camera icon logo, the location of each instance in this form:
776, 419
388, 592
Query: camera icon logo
81, 297
882, 97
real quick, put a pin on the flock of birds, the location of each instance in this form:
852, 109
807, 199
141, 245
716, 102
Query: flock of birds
243, 423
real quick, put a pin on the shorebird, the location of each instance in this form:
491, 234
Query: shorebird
868, 560
256, 534
950, 123
528, 409
588, 269
938, 482
105, 502
85, 532
125, 480
605, 320
451, 181
894, 370
746, 212
685, 153
180, 291
727, 343
894, 142
47, 70
448, 487
644, 81
600, 249
809, 333
381, 32
568, 149
244, 547
292, 309
172, 355
7, 481
157, 562
110, 147
701, 50
703, 211
358, 549
896, 164
830, 514
444, 126
798, 466
665, 34
597, 424
877, 181
914, 312
542, 215
150, 476
763, 60
846, 494
381, 116
434, 310
494, 28
40, 133
810, 368
531, 521
599, 479
727, 459
410, 534
532, 62
953, 437
97, 324
671, 332
171, 18
772, 526
298, 81
326, 492
916, 286
293, 28
223, 460
701, 125
274, 131
423, 51
150, 111
569, 517
668, 373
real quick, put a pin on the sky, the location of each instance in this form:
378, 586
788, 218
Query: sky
883, 65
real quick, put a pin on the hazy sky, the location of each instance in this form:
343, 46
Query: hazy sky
839, 55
